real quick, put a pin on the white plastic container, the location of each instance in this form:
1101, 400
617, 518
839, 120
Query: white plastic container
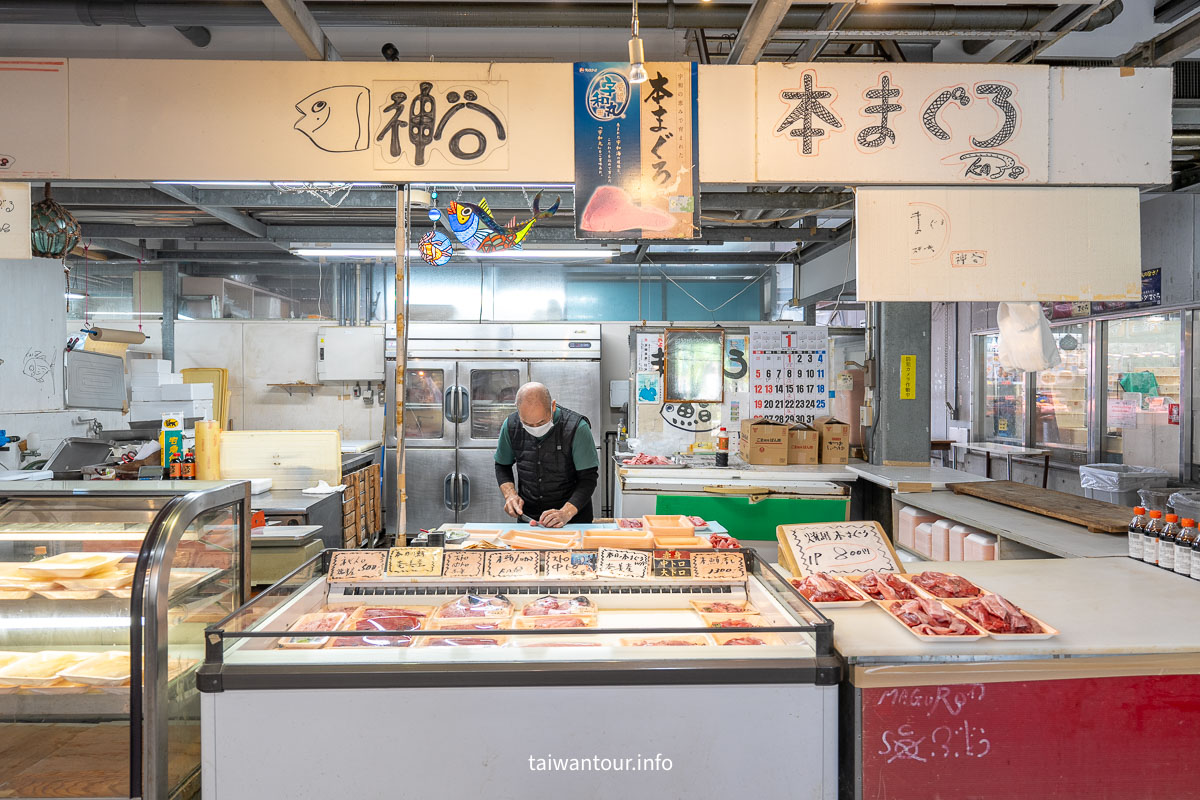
939, 546
958, 538
980, 547
923, 538
908, 519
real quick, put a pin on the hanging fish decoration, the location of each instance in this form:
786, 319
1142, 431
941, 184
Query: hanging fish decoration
476, 229
436, 248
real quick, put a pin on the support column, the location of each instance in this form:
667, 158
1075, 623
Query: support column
170, 309
902, 338
402, 237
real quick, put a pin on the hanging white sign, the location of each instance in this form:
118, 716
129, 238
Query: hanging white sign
15, 239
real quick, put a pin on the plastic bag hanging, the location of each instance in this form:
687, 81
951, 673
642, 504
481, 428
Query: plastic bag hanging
1026, 343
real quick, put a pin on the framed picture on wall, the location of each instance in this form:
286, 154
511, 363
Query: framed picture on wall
694, 365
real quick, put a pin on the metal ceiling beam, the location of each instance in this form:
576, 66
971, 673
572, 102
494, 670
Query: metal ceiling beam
295, 18
282, 235
762, 21
1172, 10
1166, 48
120, 247
237, 219
417, 14
125, 197
830, 21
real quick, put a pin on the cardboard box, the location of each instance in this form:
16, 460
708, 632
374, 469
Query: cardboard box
835, 440
803, 444
763, 442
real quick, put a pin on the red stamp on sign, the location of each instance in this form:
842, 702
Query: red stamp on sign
968, 258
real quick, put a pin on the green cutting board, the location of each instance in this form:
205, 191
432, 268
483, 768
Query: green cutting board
746, 520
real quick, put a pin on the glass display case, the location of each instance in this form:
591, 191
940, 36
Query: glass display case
105, 590
1143, 359
487, 674
1061, 405
1003, 397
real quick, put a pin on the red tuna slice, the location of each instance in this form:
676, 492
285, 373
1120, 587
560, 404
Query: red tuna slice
612, 209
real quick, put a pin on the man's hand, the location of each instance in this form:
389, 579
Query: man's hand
557, 517
514, 506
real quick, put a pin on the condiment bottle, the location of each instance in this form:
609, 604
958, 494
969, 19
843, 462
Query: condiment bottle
1137, 532
1150, 543
1183, 546
1166, 542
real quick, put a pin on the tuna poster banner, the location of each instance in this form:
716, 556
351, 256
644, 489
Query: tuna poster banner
636, 175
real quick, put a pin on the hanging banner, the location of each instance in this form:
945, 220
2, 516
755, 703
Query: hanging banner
636, 174
903, 123
789, 369
15, 241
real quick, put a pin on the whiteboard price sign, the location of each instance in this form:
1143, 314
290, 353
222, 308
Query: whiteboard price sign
789, 372
840, 548
15, 240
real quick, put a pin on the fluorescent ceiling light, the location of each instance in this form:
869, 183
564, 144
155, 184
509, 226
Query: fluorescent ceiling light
74, 296
125, 314
484, 185
335, 252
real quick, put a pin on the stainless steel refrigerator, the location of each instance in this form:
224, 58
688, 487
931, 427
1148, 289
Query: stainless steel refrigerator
460, 384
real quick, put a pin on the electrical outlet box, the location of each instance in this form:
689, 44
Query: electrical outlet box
351, 353
866, 416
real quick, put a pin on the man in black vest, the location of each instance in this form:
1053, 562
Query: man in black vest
555, 458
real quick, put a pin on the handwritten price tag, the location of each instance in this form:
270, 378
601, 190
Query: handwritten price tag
672, 564
614, 562
14, 221
513, 564
462, 564
842, 548
718, 566
357, 565
415, 562
575, 565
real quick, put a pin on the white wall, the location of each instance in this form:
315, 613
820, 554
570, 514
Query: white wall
259, 353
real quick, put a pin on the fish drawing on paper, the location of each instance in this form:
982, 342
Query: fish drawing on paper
476, 229
337, 118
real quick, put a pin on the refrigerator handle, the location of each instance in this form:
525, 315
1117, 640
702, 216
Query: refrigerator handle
464, 404
464, 491
448, 406
449, 493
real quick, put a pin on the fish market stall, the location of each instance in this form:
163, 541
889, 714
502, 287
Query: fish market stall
1089, 701
610, 662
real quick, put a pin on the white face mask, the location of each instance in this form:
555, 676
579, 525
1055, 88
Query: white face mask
538, 431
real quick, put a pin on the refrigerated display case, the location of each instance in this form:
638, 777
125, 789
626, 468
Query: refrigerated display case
105, 590
413, 696
460, 385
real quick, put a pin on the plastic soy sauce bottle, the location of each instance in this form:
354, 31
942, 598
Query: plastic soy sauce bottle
1166, 542
1137, 532
1183, 546
1150, 542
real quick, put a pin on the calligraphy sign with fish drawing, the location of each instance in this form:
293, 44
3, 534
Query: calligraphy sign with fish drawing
412, 124
903, 122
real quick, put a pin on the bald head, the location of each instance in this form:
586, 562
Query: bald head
534, 404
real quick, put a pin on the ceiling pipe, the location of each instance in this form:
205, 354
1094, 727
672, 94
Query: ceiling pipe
508, 14
196, 34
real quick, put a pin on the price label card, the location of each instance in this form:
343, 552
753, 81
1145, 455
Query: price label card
842, 548
15, 239
356, 565
575, 565
718, 567
613, 562
512, 564
462, 564
672, 564
415, 562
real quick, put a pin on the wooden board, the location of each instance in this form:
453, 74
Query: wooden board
841, 548
1095, 515
291, 459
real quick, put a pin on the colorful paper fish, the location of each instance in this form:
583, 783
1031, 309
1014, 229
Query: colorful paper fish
475, 227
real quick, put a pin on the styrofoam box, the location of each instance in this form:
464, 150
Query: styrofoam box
154, 381
939, 545
187, 391
958, 537
980, 547
147, 394
909, 519
149, 366
923, 538
144, 412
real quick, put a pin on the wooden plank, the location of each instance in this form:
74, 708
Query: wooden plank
1095, 515
292, 459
